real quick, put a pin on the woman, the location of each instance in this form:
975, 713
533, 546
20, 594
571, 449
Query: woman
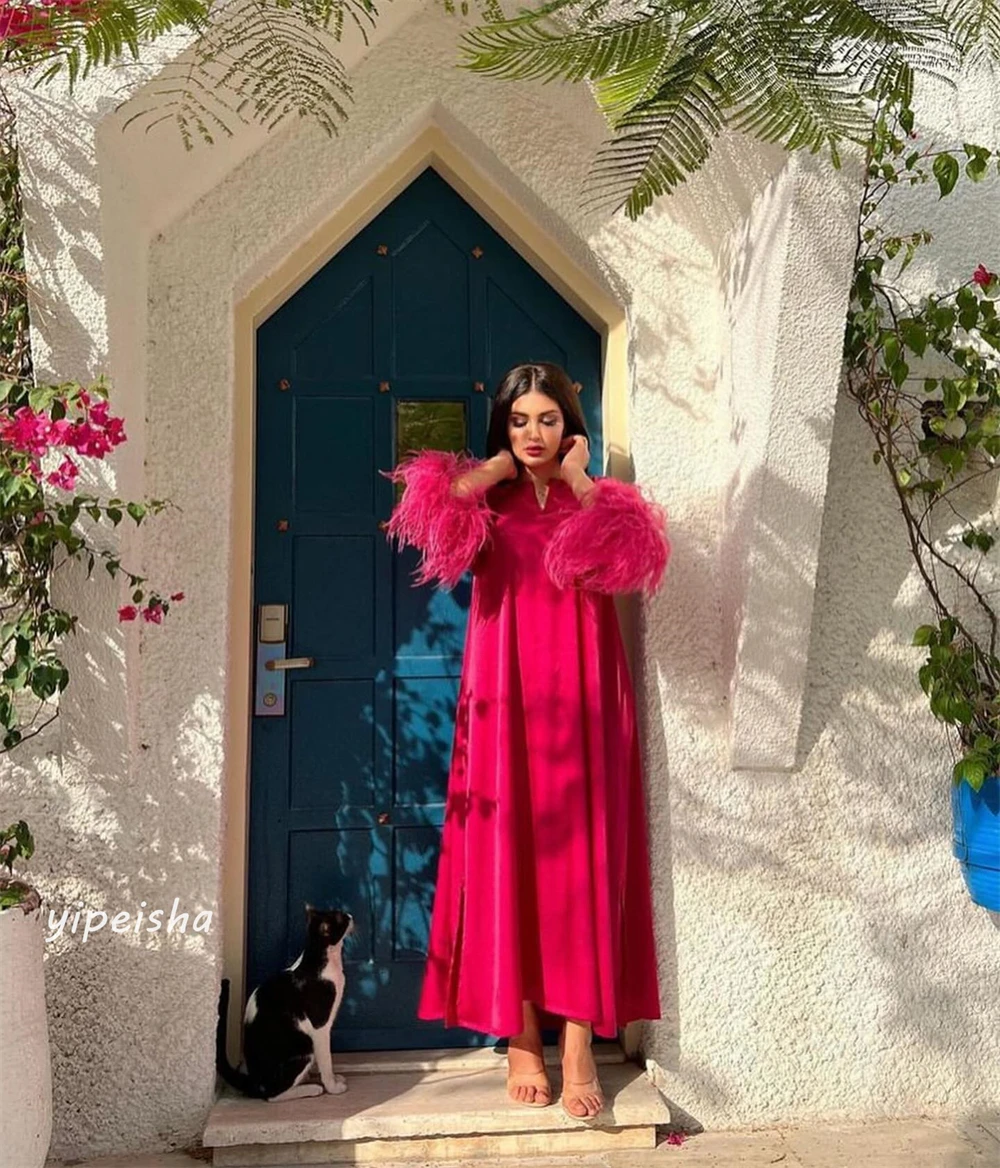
542, 907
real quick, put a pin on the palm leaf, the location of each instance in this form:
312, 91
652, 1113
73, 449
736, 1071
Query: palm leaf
975, 25
80, 40
671, 138
527, 46
640, 79
787, 90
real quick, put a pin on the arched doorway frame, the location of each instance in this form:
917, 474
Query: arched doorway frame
431, 147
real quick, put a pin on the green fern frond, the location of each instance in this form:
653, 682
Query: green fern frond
839, 22
670, 75
640, 79
526, 47
78, 41
791, 93
671, 138
975, 25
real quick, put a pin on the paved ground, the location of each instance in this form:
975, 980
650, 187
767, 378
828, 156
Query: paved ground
916, 1143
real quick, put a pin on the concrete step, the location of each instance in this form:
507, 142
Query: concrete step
454, 1109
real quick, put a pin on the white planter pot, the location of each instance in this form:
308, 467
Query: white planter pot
25, 1070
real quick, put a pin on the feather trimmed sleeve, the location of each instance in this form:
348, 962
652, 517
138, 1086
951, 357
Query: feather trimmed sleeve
449, 529
616, 542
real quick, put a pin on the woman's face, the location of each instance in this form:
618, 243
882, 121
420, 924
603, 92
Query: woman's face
535, 429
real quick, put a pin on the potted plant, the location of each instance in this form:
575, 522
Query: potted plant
925, 377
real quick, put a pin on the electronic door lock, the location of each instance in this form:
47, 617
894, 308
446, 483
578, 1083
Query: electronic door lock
272, 664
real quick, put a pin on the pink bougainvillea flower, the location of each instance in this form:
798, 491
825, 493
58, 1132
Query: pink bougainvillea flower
19, 21
177, 596
59, 430
154, 613
99, 413
31, 23
26, 431
65, 475
115, 430
127, 612
982, 277
86, 440
676, 1137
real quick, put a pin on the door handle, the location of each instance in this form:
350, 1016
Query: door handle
290, 663
272, 664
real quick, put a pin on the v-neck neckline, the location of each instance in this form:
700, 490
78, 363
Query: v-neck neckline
543, 507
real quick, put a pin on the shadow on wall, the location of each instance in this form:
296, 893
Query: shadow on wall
866, 985
109, 843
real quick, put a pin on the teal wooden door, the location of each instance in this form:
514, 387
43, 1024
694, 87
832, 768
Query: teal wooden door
396, 344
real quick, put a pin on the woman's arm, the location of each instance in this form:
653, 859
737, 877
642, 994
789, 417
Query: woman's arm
580, 482
443, 511
616, 542
486, 474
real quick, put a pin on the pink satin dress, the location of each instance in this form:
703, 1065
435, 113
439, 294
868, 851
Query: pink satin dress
543, 883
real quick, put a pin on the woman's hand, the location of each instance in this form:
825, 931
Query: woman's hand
505, 464
576, 456
573, 467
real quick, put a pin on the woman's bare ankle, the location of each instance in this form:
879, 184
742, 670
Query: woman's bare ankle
531, 1035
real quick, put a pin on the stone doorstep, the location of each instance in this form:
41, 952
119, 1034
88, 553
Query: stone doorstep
510, 1149
454, 1059
429, 1114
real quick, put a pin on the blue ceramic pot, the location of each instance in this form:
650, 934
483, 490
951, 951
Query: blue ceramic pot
976, 842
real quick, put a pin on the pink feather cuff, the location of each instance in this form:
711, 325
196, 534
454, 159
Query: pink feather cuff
448, 529
616, 542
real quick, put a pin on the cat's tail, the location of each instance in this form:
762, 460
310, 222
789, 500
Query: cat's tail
234, 1078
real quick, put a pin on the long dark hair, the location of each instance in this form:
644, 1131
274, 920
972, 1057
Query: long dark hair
547, 378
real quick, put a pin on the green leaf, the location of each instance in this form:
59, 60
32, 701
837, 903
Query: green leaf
12, 894
946, 172
924, 635
976, 168
971, 771
914, 335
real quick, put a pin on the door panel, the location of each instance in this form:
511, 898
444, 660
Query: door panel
394, 345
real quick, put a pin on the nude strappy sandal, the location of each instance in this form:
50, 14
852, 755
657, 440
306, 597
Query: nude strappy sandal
587, 1087
530, 1079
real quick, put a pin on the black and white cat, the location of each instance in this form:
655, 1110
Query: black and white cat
288, 1019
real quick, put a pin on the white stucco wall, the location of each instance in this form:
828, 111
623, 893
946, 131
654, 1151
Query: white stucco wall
828, 961
819, 956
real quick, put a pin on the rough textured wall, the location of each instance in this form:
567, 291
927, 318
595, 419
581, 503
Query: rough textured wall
794, 983
828, 961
